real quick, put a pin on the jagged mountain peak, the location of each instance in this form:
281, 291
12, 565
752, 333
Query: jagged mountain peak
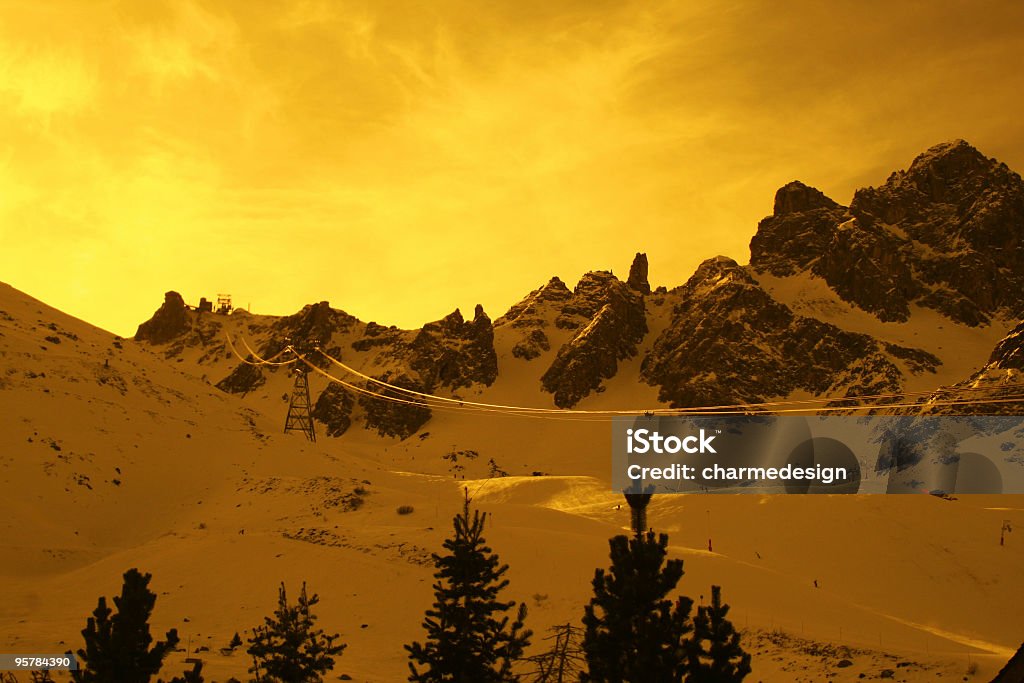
316, 322
796, 197
455, 324
952, 158
716, 269
947, 234
555, 288
594, 278
638, 274
951, 181
168, 322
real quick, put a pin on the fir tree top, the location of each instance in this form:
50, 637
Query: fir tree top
469, 638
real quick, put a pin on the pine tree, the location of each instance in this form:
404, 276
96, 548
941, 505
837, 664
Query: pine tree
117, 645
633, 631
714, 652
287, 648
469, 639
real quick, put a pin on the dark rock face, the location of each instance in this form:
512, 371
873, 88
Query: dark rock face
314, 323
611, 320
592, 292
170, 320
1009, 353
866, 265
393, 418
638, 274
533, 343
377, 335
792, 238
963, 217
530, 312
730, 342
334, 409
795, 197
947, 234
531, 315
454, 353
243, 379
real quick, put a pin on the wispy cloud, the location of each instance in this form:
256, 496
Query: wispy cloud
403, 159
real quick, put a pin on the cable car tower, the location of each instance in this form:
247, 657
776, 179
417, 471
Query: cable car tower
300, 413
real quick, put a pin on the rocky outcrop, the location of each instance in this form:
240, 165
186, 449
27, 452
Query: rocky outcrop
333, 408
315, 324
798, 231
401, 418
946, 234
375, 335
963, 218
531, 316
533, 310
611, 320
171, 320
1008, 356
243, 379
454, 353
730, 342
638, 274
592, 292
532, 345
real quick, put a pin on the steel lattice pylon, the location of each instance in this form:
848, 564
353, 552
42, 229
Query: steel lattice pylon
300, 416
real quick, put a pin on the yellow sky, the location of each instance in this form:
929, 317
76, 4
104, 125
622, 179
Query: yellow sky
402, 159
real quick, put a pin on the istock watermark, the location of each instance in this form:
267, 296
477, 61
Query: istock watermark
835, 454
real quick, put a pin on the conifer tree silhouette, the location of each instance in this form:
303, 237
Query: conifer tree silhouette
469, 638
714, 652
117, 644
288, 648
633, 632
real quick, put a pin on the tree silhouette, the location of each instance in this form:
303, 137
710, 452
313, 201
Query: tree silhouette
469, 639
714, 652
117, 645
633, 632
287, 648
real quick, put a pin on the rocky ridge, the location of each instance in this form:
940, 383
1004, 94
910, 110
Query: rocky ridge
171, 320
945, 234
611, 321
730, 342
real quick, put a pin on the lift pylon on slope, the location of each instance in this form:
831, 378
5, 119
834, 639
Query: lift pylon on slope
300, 410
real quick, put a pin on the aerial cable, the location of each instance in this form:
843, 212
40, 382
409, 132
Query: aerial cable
421, 404
565, 414
252, 354
660, 411
442, 403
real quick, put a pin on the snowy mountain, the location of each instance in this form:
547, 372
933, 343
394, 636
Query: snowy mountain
166, 451
836, 302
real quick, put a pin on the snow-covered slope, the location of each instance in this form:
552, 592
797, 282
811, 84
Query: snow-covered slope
158, 469
167, 453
